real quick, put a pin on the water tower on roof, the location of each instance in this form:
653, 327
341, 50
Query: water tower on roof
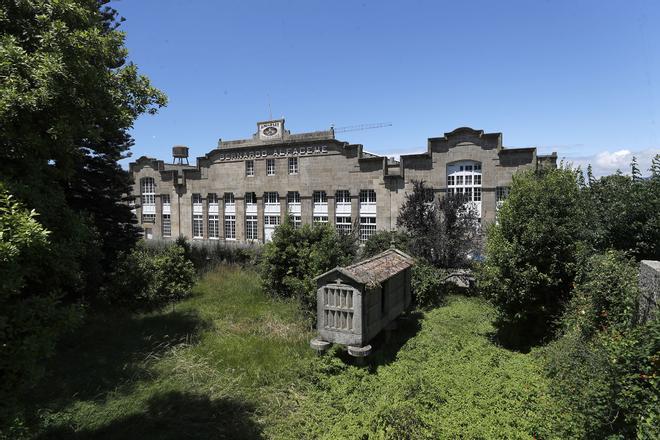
179, 153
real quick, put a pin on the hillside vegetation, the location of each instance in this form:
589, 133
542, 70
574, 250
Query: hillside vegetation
231, 362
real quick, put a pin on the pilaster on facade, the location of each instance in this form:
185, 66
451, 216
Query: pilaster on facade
331, 209
240, 219
260, 218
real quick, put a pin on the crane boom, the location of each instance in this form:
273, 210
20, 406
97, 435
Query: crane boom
360, 127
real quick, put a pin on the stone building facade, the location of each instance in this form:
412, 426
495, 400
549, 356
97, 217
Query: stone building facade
242, 190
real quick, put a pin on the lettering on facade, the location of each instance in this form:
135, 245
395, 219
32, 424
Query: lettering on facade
272, 152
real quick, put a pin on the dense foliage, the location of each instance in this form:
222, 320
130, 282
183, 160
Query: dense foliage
533, 253
27, 322
625, 212
382, 241
295, 256
67, 100
152, 278
427, 284
605, 367
443, 231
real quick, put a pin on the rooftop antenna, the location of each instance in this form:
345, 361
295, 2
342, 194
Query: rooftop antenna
270, 111
360, 127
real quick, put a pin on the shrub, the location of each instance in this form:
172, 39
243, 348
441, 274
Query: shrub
296, 255
604, 368
382, 241
532, 254
427, 283
149, 277
605, 295
30, 319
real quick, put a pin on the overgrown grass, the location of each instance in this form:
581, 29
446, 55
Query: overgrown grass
208, 369
232, 363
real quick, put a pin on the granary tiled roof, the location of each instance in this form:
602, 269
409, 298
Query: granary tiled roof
378, 268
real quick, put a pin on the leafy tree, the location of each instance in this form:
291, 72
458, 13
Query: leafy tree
29, 324
626, 212
442, 231
296, 255
67, 100
532, 253
382, 241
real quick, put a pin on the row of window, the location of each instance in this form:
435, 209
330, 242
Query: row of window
367, 196
367, 225
270, 167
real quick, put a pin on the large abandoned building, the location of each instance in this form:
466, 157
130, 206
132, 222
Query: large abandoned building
241, 190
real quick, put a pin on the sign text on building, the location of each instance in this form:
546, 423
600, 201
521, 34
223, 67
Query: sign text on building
273, 152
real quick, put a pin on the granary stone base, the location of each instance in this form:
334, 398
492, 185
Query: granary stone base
319, 345
359, 352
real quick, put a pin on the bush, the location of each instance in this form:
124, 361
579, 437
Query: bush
382, 241
427, 283
297, 255
532, 254
605, 295
30, 319
205, 255
604, 368
150, 278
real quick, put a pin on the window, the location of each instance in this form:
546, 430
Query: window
320, 219
293, 197
229, 199
297, 221
230, 227
367, 227
270, 167
343, 197
271, 198
197, 199
198, 226
249, 168
148, 192
166, 219
465, 178
167, 225
343, 224
501, 193
214, 230
250, 198
251, 227
293, 165
271, 220
213, 199
320, 197
368, 196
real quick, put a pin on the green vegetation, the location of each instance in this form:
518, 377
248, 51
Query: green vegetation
295, 256
232, 361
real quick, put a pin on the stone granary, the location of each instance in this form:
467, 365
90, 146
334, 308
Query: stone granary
356, 302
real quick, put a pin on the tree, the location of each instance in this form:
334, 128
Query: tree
532, 253
442, 231
296, 255
67, 100
382, 241
626, 212
28, 323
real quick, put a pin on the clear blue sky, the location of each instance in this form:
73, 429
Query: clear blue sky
578, 77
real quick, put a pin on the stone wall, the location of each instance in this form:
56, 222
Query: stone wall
649, 285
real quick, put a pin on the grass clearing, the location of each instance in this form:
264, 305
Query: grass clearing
232, 363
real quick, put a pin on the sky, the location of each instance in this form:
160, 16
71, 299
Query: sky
578, 77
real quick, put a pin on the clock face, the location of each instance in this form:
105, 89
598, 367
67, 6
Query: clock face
269, 131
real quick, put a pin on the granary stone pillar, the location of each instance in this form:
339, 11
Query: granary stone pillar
260, 218
240, 219
306, 208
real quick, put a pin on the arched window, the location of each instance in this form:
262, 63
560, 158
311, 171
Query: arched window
464, 177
